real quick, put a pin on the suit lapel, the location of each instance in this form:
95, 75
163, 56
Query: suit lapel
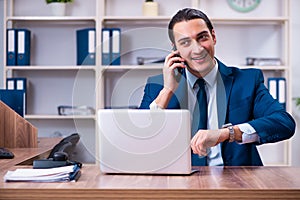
224, 85
181, 93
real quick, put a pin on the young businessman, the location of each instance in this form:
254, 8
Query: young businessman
233, 95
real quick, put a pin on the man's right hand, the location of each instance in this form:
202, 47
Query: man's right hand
170, 83
171, 63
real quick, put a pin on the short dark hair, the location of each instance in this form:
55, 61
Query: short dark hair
187, 14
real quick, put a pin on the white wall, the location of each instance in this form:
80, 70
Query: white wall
295, 63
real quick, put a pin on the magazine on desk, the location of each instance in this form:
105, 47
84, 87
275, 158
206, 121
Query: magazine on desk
57, 174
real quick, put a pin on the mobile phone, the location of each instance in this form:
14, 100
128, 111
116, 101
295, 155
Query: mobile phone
178, 71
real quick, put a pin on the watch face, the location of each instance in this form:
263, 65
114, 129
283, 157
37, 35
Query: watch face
243, 5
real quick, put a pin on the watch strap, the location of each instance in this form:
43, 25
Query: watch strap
231, 131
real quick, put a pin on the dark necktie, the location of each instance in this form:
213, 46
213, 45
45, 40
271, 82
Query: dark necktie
199, 118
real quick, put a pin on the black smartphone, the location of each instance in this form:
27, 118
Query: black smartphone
178, 71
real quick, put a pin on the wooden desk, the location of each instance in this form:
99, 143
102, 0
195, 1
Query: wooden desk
209, 183
27, 155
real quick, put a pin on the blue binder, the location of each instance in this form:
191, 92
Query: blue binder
116, 46
16, 83
23, 49
14, 99
11, 47
277, 88
106, 46
86, 43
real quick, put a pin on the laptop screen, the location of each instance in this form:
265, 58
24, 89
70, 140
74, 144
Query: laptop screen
144, 141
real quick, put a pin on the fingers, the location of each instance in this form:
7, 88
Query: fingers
203, 140
198, 144
173, 60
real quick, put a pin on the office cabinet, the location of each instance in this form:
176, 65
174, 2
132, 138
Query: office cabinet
55, 79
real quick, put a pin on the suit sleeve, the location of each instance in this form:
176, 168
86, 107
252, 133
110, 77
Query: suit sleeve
271, 122
153, 87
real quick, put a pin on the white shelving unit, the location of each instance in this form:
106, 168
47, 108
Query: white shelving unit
57, 80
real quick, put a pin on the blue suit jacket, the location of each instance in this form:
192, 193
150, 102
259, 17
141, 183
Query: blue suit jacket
241, 97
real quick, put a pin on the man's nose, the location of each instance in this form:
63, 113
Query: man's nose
197, 47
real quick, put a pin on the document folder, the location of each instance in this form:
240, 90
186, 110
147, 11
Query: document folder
86, 43
16, 83
19, 84
277, 88
116, 46
11, 47
106, 46
14, 99
23, 49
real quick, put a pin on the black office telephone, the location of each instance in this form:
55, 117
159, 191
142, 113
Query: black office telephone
59, 155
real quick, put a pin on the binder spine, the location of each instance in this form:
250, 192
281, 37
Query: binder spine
23, 57
18, 84
11, 47
86, 43
277, 88
106, 46
116, 46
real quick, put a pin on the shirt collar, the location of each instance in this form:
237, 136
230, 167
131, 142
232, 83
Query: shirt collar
210, 78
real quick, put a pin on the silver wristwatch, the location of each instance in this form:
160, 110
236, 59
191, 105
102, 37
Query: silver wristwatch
231, 131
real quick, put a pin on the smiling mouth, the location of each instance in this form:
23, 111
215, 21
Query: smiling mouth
200, 58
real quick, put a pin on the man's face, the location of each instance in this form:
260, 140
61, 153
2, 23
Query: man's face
195, 44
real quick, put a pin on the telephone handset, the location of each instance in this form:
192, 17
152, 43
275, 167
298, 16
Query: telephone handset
179, 70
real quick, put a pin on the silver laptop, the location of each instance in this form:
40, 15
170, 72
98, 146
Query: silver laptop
144, 141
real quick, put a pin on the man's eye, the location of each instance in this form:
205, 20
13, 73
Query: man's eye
185, 43
203, 37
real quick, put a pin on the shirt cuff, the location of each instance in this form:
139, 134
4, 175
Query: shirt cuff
249, 133
154, 106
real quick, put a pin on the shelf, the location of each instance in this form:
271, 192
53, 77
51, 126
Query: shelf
265, 68
135, 67
58, 117
251, 20
156, 67
51, 18
136, 19
165, 19
28, 68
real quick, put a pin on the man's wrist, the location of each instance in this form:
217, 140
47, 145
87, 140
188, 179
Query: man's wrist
237, 134
231, 133
163, 98
230, 129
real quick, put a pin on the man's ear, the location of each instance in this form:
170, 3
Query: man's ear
213, 34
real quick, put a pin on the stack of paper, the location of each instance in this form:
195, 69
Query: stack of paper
58, 174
